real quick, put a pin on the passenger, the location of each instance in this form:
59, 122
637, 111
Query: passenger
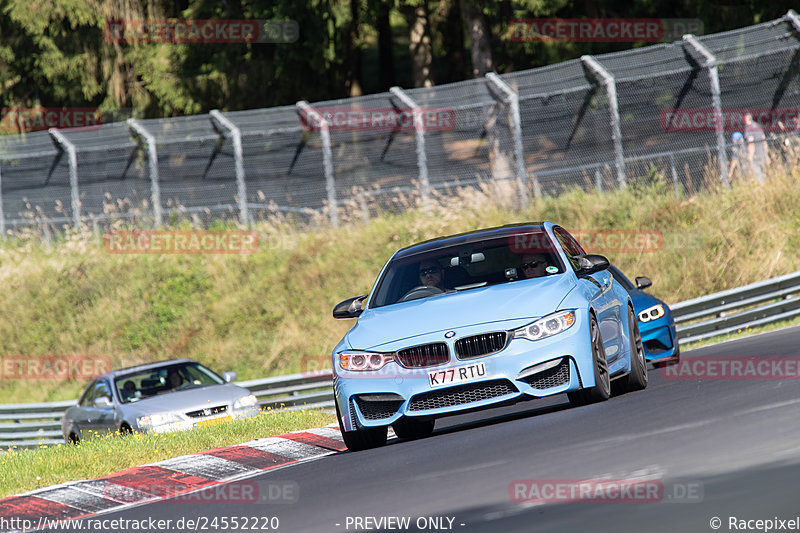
431, 274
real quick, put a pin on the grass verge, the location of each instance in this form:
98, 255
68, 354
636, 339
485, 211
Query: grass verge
25, 470
269, 312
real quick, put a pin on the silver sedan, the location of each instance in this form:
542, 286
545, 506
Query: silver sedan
158, 397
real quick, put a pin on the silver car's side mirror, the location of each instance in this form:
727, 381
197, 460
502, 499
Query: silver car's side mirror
102, 402
229, 377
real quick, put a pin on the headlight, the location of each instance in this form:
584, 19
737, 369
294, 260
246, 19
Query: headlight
151, 421
245, 401
652, 313
358, 360
546, 327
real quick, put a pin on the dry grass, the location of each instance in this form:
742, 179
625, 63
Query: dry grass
268, 312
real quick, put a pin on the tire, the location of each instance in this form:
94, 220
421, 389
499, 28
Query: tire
362, 439
602, 382
413, 429
637, 377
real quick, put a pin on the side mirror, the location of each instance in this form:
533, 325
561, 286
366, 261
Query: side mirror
642, 282
103, 402
350, 308
229, 377
591, 263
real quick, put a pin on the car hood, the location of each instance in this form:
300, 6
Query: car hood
187, 400
506, 301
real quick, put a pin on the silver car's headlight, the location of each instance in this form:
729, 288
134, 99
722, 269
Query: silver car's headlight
359, 360
652, 313
546, 326
245, 401
161, 419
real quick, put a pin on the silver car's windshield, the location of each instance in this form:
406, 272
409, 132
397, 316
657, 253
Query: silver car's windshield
136, 386
467, 266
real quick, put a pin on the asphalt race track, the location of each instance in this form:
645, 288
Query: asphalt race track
719, 448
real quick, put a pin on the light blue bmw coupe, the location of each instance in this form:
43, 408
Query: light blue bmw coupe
478, 320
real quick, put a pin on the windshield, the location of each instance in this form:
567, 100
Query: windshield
467, 266
147, 383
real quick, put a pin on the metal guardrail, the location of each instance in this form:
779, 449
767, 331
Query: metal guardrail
753, 305
31, 425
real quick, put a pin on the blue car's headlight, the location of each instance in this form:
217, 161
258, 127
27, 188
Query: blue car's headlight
546, 326
652, 313
360, 360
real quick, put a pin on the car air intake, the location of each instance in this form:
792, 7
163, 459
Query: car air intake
480, 345
423, 355
552, 377
208, 411
377, 407
473, 392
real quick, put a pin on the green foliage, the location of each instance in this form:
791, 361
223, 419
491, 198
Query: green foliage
54, 53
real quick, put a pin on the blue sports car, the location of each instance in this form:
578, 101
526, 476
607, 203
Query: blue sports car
482, 319
659, 337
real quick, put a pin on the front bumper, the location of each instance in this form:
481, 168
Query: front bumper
660, 340
191, 423
380, 398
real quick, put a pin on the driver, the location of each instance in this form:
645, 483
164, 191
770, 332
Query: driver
174, 379
533, 266
431, 274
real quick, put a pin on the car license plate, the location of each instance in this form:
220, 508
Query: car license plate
459, 374
214, 421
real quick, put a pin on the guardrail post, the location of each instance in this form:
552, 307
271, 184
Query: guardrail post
238, 161
152, 166
66, 145
613, 106
327, 158
422, 156
516, 130
716, 101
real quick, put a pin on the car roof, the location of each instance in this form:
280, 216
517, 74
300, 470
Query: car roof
468, 237
142, 368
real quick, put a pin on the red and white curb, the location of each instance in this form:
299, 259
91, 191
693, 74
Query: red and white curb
176, 476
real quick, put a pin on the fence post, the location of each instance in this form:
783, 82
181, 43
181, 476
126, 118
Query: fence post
616, 131
716, 101
152, 165
419, 134
516, 129
674, 175
327, 158
66, 145
2, 213
238, 162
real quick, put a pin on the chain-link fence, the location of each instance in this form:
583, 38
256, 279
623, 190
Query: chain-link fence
661, 112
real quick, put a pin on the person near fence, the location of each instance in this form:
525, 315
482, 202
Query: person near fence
757, 150
738, 156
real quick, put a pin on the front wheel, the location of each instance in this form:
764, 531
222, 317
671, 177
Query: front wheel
602, 382
361, 439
